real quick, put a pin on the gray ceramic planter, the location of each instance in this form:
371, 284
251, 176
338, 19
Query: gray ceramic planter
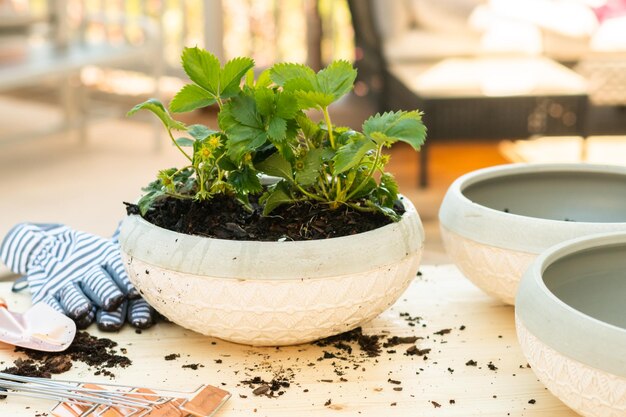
571, 323
272, 293
495, 221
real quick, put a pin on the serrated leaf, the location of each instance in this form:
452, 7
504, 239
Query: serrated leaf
200, 132
275, 198
147, 200
264, 79
243, 140
313, 99
250, 78
243, 109
283, 72
245, 180
337, 79
203, 68
227, 164
349, 155
230, 76
298, 84
277, 129
396, 126
190, 97
286, 105
185, 142
264, 98
239, 119
156, 107
276, 166
389, 182
389, 212
309, 128
310, 170
387, 191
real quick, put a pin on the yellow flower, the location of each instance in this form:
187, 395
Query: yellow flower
205, 152
214, 142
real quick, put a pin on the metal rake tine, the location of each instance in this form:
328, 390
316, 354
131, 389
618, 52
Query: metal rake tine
94, 397
107, 384
75, 386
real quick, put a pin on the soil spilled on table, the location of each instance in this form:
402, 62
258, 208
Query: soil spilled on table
97, 353
225, 218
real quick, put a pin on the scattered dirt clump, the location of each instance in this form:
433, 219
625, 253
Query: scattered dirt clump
97, 353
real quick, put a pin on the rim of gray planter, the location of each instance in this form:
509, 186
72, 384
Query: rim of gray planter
560, 304
530, 233
237, 259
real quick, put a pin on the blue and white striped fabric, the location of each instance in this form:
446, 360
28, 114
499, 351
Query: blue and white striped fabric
77, 273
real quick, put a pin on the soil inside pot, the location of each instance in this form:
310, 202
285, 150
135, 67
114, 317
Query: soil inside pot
225, 218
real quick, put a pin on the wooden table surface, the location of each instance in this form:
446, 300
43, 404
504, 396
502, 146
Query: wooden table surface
441, 297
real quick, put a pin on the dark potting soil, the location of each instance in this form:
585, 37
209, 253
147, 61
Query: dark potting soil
98, 353
225, 218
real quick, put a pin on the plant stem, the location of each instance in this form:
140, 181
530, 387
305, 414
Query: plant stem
308, 194
369, 175
321, 182
178, 195
169, 132
360, 208
329, 126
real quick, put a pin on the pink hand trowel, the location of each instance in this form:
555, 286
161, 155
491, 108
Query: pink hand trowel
40, 328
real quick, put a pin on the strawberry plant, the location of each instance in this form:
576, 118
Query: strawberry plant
265, 128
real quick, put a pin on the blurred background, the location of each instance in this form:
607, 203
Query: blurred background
499, 81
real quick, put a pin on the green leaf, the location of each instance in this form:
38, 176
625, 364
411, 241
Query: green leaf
387, 191
203, 68
250, 78
200, 132
264, 98
245, 180
230, 76
313, 99
156, 107
350, 155
369, 186
264, 79
243, 126
227, 164
242, 140
389, 182
243, 109
286, 106
147, 200
277, 197
277, 129
191, 97
389, 212
401, 126
276, 166
185, 142
337, 79
311, 165
283, 72
309, 128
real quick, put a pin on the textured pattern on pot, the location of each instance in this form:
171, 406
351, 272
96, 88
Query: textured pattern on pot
571, 323
272, 293
495, 221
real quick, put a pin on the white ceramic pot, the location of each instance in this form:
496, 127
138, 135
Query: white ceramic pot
272, 293
495, 221
571, 323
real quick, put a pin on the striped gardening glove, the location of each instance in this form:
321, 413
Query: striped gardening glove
76, 273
